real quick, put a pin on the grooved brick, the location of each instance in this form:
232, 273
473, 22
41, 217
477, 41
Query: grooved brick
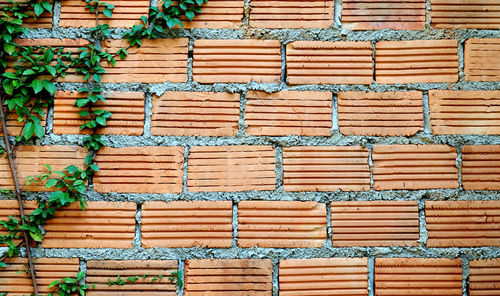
426, 61
195, 114
231, 168
325, 62
380, 114
413, 167
374, 223
481, 167
139, 170
324, 277
304, 113
484, 278
184, 224
237, 61
461, 14
216, 14
481, 60
281, 224
327, 168
44, 21
228, 277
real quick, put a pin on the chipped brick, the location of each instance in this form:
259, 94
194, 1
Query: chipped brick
481, 60
484, 278
470, 14
481, 167
216, 14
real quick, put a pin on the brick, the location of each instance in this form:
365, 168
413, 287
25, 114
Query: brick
412, 167
481, 60
156, 61
164, 224
267, 224
11, 207
209, 114
14, 127
418, 276
484, 278
127, 110
462, 223
101, 225
324, 276
100, 272
380, 114
139, 170
228, 277
326, 168
44, 21
291, 14
481, 167
426, 61
304, 113
378, 15
16, 282
374, 223
231, 168
237, 61
325, 62
470, 14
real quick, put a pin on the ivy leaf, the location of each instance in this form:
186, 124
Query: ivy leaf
49, 86
83, 113
51, 70
38, 9
7, 86
9, 48
39, 131
36, 236
47, 5
51, 183
107, 12
37, 86
190, 15
28, 131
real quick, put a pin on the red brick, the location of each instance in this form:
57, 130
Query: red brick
216, 14
325, 62
43, 21
324, 276
209, 114
127, 110
470, 14
327, 168
267, 224
304, 113
414, 61
374, 223
380, 114
231, 168
139, 170
14, 126
238, 61
462, 223
377, 15
228, 277
164, 224
481, 167
413, 167
481, 60
484, 278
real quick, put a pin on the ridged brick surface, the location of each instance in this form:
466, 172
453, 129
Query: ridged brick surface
44, 21
414, 167
281, 224
327, 168
217, 14
304, 113
231, 168
424, 61
470, 14
377, 15
484, 278
11, 207
325, 62
374, 223
380, 114
228, 277
462, 223
324, 277
195, 114
237, 61
139, 170
183, 224
481, 167
481, 60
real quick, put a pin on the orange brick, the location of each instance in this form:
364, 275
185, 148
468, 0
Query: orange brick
481, 60
156, 61
43, 21
291, 14
325, 62
425, 61
418, 276
484, 278
14, 126
195, 114
139, 170
216, 14
127, 109
481, 167
231, 168
304, 113
377, 15
374, 223
238, 61
267, 224
228, 277
164, 224
101, 225
11, 207
327, 168
462, 223
324, 277
380, 114
100, 272
413, 167
470, 14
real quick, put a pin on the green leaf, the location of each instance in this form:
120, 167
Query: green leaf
83, 113
71, 169
88, 159
28, 72
101, 120
47, 5
107, 12
39, 131
49, 86
51, 70
51, 183
37, 236
9, 48
2, 264
37, 86
190, 15
48, 55
38, 9
8, 87
28, 131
